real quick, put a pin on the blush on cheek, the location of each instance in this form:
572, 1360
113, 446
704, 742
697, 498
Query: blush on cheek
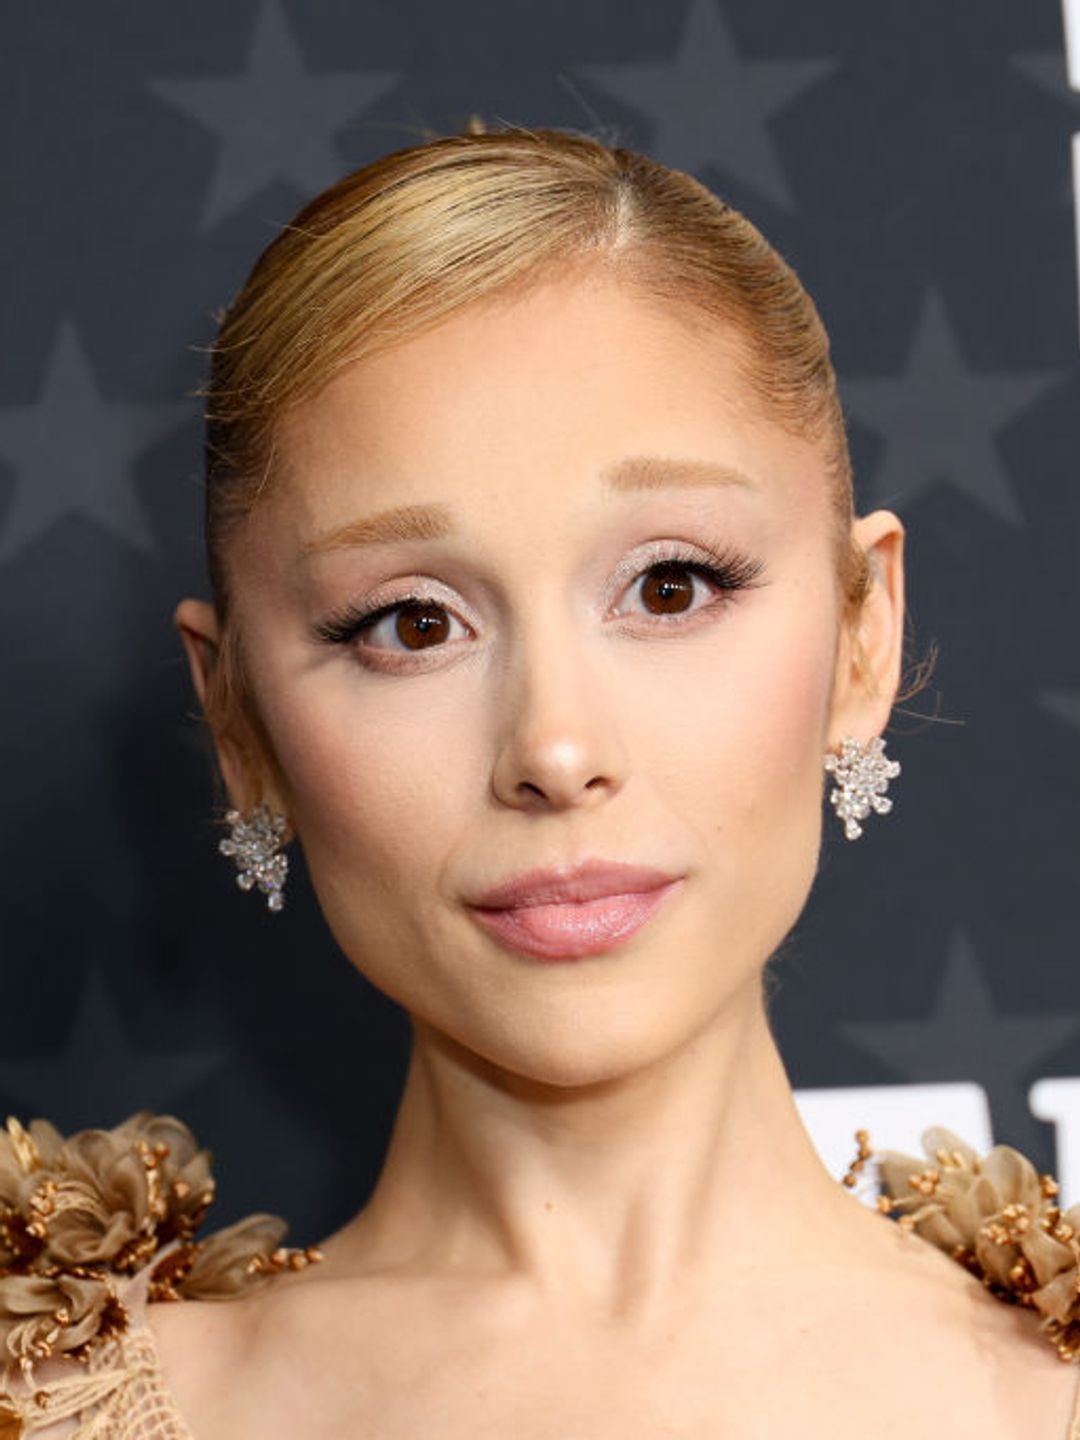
764, 836
376, 804
768, 838
345, 789
800, 717
790, 687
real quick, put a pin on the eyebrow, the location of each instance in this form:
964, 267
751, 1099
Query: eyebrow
633, 474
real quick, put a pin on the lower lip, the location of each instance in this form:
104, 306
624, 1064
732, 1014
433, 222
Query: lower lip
572, 931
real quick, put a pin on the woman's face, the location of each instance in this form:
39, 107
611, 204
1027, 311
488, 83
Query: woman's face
555, 467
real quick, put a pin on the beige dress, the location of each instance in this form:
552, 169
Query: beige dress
120, 1394
96, 1227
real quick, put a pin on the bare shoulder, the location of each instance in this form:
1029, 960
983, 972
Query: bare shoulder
203, 1347
313, 1349
250, 1364
898, 1327
1034, 1386
989, 1346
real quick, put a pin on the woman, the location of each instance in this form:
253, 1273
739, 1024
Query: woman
540, 614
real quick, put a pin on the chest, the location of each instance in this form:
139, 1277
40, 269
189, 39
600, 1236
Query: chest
459, 1387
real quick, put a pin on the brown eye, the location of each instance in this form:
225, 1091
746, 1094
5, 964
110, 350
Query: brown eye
421, 624
669, 587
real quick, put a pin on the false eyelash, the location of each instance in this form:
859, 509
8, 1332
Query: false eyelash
735, 572
345, 624
729, 571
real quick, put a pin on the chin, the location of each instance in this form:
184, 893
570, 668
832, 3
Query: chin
582, 1050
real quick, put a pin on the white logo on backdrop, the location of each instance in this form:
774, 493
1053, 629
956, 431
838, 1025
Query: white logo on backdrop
1072, 61
896, 1116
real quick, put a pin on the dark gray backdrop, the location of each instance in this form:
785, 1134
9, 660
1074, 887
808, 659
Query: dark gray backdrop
912, 160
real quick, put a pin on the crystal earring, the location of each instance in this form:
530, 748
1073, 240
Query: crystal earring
862, 776
253, 842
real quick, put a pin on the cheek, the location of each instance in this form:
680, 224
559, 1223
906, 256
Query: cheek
759, 736
749, 773
376, 792
790, 694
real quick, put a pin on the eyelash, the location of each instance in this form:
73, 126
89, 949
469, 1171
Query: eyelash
728, 570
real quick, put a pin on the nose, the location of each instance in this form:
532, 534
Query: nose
559, 743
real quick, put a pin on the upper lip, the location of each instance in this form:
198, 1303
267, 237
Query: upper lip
563, 884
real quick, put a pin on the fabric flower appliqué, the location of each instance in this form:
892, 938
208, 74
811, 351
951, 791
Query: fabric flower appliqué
81, 1215
995, 1215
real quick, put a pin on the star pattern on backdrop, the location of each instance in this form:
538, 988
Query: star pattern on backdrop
277, 119
98, 1055
73, 453
1065, 704
966, 1038
939, 420
1048, 70
710, 106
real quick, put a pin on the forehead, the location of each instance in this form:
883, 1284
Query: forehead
538, 397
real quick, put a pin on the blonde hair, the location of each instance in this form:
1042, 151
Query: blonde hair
405, 242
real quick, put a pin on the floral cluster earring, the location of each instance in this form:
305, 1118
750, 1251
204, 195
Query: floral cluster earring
862, 775
253, 842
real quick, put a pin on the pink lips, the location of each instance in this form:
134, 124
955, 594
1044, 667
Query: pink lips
568, 913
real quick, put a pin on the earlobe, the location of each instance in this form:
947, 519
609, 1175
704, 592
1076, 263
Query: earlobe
871, 650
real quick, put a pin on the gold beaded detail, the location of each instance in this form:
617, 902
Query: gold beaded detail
995, 1215
862, 1155
84, 1214
284, 1259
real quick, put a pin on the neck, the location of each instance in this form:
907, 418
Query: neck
617, 1193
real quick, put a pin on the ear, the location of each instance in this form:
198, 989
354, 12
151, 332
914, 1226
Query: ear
200, 632
197, 623
870, 650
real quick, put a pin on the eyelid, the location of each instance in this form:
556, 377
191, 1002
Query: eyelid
719, 554
345, 625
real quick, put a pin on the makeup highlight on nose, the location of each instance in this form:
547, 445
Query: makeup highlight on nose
633, 474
